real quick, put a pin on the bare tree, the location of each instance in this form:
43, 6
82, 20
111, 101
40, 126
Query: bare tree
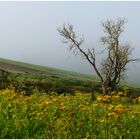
113, 67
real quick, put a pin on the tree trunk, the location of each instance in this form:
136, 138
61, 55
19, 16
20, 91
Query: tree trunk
107, 88
104, 89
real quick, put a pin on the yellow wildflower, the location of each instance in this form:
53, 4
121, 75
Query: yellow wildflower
99, 98
121, 94
96, 105
28, 97
112, 114
63, 107
39, 114
7, 92
102, 120
55, 99
111, 107
11, 97
138, 99
125, 88
113, 93
120, 109
105, 98
115, 96
61, 104
47, 102
81, 106
79, 94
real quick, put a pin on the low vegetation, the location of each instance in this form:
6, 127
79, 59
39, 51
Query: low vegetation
39, 106
79, 116
25, 82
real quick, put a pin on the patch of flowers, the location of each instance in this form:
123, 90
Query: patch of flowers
43, 116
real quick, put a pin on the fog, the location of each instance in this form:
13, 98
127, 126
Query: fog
28, 31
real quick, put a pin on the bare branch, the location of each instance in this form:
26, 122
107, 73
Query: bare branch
113, 67
70, 37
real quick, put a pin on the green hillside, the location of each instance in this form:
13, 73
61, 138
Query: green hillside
53, 71
60, 72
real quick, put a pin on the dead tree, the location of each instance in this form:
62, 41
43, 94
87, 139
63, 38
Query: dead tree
113, 67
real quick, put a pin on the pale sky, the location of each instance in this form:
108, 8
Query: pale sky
28, 31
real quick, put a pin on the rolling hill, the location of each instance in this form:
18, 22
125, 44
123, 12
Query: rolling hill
16, 66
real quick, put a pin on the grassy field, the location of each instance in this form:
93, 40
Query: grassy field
51, 103
54, 71
61, 73
29, 76
52, 117
26, 77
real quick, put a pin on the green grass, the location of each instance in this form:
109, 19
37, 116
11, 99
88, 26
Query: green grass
44, 114
132, 85
67, 117
63, 73
54, 71
135, 108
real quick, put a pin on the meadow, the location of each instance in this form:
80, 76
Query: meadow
79, 116
51, 107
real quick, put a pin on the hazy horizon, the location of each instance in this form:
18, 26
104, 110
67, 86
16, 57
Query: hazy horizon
29, 31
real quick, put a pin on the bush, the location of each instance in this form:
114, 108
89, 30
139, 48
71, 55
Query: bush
62, 88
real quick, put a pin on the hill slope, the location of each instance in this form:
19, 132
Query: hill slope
17, 66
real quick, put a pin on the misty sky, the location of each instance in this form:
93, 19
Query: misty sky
28, 31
